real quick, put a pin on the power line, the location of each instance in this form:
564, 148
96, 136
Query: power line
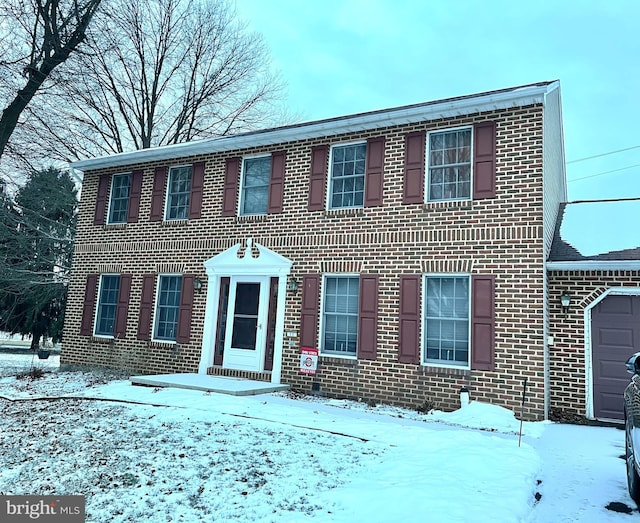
604, 154
605, 172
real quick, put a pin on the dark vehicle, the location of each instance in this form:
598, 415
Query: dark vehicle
632, 427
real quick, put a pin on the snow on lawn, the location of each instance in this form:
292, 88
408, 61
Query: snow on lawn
197, 457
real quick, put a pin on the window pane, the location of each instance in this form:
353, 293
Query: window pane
450, 165
169, 290
447, 320
107, 305
179, 193
340, 314
347, 176
256, 174
119, 199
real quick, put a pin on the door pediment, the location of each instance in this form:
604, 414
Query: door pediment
248, 259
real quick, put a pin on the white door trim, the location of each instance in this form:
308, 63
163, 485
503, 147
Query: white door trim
242, 260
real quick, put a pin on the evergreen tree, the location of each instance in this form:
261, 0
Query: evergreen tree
35, 250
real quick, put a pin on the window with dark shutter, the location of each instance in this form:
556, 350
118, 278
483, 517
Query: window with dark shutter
197, 185
230, 197
483, 322
409, 330
374, 179
484, 160
414, 161
146, 307
309, 312
89, 307
157, 194
368, 317
134, 197
276, 182
122, 310
318, 178
185, 310
101, 199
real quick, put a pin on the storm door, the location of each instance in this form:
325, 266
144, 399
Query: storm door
245, 323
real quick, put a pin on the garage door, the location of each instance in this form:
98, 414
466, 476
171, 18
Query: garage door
615, 336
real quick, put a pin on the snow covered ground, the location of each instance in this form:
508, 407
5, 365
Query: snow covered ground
158, 455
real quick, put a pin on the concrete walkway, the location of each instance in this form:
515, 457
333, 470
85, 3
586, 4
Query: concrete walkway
220, 384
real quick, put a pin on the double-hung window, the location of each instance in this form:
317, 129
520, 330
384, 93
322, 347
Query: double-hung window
178, 193
449, 165
107, 305
119, 199
167, 307
340, 315
347, 175
254, 195
446, 322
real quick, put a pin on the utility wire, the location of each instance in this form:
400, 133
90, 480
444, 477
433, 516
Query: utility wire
604, 154
605, 172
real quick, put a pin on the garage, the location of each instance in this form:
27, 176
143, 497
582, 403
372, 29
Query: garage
615, 336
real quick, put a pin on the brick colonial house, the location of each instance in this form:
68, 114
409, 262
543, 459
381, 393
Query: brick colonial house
408, 245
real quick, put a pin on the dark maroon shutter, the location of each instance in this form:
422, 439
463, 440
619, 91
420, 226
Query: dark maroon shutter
413, 188
374, 179
134, 196
157, 195
484, 160
122, 311
409, 332
317, 180
197, 184
146, 307
184, 312
89, 307
483, 290
276, 183
309, 313
101, 199
230, 197
271, 323
223, 302
368, 317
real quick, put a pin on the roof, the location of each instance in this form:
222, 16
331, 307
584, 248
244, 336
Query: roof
462, 105
597, 235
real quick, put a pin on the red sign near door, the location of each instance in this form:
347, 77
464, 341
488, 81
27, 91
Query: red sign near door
308, 361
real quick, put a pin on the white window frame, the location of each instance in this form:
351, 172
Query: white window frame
154, 333
113, 177
97, 311
330, 174
427, 177
168, 186
423, 341
242, 180
322, 320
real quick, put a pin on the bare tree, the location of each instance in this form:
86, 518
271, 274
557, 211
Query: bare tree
36, 37
159, 72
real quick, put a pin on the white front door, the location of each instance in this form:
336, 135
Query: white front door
246, 325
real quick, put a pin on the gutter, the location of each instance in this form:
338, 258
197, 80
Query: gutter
519, 96
594, 265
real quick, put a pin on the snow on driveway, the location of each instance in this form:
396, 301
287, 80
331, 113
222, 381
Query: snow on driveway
209, 457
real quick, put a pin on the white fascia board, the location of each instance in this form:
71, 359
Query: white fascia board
517, 97
594, 265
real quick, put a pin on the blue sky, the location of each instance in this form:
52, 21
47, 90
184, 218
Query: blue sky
347, 56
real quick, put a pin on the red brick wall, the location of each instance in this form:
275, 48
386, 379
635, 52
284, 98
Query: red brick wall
567, 355
501, 236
